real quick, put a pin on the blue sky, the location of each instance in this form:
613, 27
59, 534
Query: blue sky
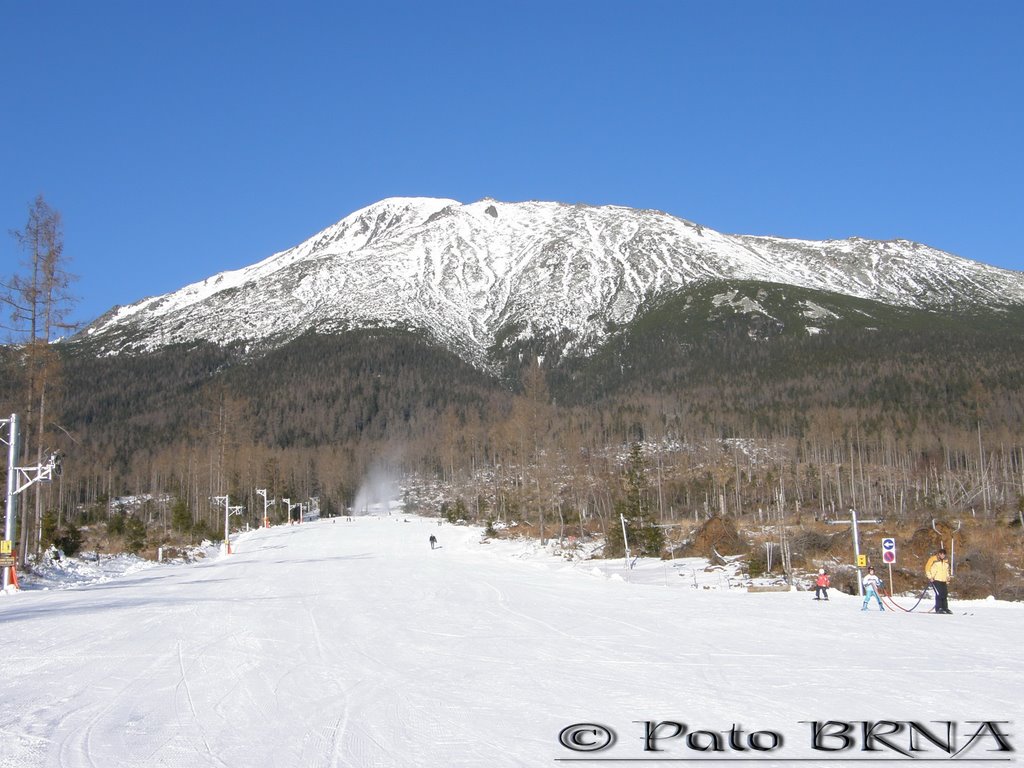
182, 139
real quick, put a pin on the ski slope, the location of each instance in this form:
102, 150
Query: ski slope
351, 643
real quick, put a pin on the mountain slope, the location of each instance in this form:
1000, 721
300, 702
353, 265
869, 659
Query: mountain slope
489, 273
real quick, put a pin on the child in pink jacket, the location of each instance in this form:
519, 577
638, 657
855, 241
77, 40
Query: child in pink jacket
821, 585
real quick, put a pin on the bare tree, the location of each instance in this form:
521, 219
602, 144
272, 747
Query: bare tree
39, 300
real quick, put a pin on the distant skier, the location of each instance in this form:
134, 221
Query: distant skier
871, 586
821, 585
938, 573
433, 541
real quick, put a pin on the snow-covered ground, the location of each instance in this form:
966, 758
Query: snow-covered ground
56, 572
352, 643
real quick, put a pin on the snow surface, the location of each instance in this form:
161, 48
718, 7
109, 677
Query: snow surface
352, 643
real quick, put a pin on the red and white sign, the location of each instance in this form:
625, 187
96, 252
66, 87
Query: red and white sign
889, 551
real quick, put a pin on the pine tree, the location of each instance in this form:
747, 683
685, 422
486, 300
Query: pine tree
635, 508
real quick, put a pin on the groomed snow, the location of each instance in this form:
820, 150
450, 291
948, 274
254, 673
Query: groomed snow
352, 643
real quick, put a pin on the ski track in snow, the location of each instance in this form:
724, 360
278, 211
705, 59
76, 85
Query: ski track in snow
353, 644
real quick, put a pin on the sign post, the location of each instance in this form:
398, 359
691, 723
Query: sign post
889, 556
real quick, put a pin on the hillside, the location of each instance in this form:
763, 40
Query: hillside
743, 358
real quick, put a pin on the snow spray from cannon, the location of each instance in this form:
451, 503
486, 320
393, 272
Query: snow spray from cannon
379, 492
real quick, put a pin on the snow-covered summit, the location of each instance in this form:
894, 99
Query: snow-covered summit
464, 272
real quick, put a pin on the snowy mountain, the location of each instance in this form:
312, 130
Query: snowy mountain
490, 272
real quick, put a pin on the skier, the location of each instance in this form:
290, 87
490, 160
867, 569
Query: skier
939, 574
821, 585
871, 586
433, 541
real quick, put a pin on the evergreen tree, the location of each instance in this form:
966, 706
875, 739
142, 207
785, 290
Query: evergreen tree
134, 534
635, 509
181, 518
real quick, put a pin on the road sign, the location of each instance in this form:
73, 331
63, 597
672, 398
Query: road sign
5, 547
862, 561
6, 561
889, 551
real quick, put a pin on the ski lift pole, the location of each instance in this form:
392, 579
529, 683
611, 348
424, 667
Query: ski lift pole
10, 524
20, 479
856, 544
952, 548
952, 543
227, 540
856, 552
231, 511
266, 506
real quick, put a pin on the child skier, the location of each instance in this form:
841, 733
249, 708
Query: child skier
821, 585
871, 586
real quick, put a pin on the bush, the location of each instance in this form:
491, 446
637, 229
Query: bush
757, 563
201, 531
716, 536
810, 544
134, 535
68, 540
115, 524
844, 579
979, 574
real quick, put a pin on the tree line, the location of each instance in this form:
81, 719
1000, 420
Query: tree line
681, 415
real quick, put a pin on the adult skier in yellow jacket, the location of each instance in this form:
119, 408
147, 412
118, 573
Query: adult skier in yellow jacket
938, 573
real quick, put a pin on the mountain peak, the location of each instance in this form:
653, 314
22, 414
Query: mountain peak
471, 274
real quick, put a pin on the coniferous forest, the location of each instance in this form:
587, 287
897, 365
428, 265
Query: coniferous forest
689, 413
